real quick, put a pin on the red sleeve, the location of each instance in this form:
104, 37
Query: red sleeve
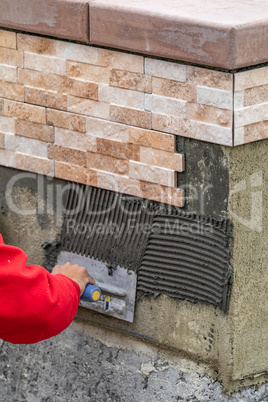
34, 305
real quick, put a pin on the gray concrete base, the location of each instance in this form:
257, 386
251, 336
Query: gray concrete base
77, 366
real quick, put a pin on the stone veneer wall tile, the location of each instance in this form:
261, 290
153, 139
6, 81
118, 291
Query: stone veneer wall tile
109, 118
251, 105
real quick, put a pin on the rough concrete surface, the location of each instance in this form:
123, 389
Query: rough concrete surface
76, 366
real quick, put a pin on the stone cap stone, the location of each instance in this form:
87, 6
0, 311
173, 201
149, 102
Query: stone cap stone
221, 34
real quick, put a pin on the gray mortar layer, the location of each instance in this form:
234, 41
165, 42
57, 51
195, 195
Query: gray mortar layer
74, 367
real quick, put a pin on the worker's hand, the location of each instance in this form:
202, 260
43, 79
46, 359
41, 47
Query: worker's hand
76, 273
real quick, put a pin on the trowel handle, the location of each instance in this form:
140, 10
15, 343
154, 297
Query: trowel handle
91, 294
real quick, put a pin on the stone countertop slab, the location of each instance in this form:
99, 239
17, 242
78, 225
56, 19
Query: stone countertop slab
60, 18
225, 34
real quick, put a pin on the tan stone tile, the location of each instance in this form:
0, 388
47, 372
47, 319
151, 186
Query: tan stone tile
132, 117
37, 131
251, 78
36, 165
7, 124
215, 97
44, 63
118, 149
88, 107
75, 140
166, 195
11, 57
8, 39
24, 111
152, 174
13, 91
107, 129
157, 157
107, 163
209, 114
209, 78
58, 48
256, 132
253, 96
120, 184
120, 60
61, 84
66, 120
174, 89
68, 155
153, 139
128, 80
75, 173
8, 73
2, 140
45, 98
121, 97
1, 107
193, 129
88, 72
7, 158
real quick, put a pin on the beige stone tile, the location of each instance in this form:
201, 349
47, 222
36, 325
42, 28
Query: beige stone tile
75, 140
88, 107
8, 39
215, 97
48, 64
157, 157
11, 57
8, 73
67, 155
27, 146
165, 69
1, 106
33, 164
49, 99
107, 129
7, 158
120, 60
256, 95
121, 97
107, 163
58, 83
239, 136
193, 129
37, 131
128, 80
209, 78
153, 174
251, 78
209, 114
120, 184
58, 48
77, 174
13, 91
256, 132
174, 89
88, 72
118, 149
166, 195
7, 124
153, 139
238, 100
24, 111
251, 114
164, 105
2, 140
132, 117
66, 120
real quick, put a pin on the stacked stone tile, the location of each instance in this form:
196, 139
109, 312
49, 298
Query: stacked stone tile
109, 119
